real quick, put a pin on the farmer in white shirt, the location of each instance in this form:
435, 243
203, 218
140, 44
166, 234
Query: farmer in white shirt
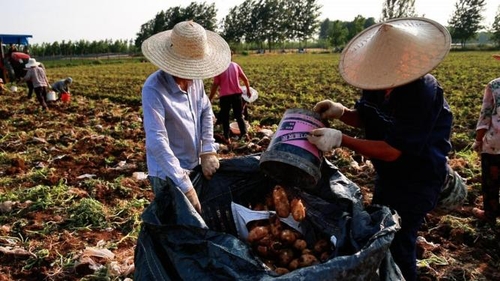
178, 117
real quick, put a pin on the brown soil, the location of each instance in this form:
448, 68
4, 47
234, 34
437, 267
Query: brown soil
75, 140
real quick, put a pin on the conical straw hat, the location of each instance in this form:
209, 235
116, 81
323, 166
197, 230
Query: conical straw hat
188, 51
394, 53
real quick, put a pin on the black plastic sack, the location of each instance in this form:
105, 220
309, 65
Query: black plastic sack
175, 243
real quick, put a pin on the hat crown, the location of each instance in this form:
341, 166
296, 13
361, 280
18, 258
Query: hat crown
394, 53
189, 40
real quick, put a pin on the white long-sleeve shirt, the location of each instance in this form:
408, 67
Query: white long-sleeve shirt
178, 127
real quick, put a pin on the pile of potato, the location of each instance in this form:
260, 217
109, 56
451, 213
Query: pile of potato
280, 246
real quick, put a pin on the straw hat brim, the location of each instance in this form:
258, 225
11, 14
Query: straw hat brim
31, 64
216, 60
394, 53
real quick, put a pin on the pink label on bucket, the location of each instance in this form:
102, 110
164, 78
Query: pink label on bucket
293, 130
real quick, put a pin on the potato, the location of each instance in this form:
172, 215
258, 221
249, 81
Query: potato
307, 252
307, 260
294, 264
270, 263
288, 236
281, 270
263, 251
275, 247
298, 210
300, 244
281, 203
265, 241
276, 226
257, 233
285, 257
321, 246
324, 256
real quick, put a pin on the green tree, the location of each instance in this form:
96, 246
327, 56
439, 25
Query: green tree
496, 28
356, 26
398, 9
466, 20
369, 22
338, 33
302, 19
323, 29
272, 19
201, 13
232, 29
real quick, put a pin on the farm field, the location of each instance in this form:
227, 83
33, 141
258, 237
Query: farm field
71, 191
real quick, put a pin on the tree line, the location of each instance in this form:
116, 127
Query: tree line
271, 24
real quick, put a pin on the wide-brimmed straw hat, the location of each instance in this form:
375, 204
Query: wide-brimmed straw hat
394, 53
188, 51
32, 62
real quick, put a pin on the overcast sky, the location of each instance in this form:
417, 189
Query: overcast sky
56, 20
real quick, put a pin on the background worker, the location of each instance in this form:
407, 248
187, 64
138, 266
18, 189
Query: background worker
62, 86
230, 93
405, 117
488, 145
36, 75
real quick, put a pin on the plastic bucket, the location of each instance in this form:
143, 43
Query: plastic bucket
51, 96
290, 158
65, 97
235, 128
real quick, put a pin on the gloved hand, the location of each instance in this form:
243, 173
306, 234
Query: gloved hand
325, 139
477, 146
209, 164
193, 198
329, 109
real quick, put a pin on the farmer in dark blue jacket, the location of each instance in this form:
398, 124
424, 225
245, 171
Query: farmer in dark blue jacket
406, 120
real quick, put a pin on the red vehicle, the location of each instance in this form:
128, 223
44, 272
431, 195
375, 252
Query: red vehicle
14, 56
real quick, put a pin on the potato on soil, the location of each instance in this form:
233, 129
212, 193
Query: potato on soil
281, 203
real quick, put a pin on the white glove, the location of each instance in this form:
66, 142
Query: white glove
477, 146
193, 198
329, 109
209, 164
325, 139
